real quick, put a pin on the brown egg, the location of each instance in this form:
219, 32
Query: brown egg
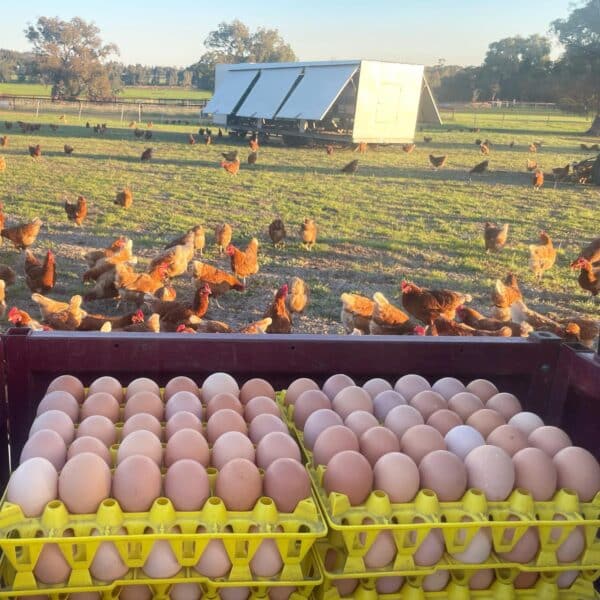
382, 551
276, 445
525, 549
549, 439
57, 421
504, 403
281, 593
107, 385
181, 420
448, 387
317, 422
572, 546
360, 421
181, 384
135, 592
264, 424
297, 387
218, 383
32, 485
536, 473
525, 579
187, 443
491, 470
482, 580
99, 427
101, 403
464, 404
137, 483
344, 587
352, 398
485, 421
410, 385
349, 473
435, 582
84, 483
48, 444
142, 421
260, 405
224, 400
185, 591
87, 443
224, 420
376, 442
184, 496
335, 384
578, 470
183, 401
239, 484
389, 585
566, 579
307, 403
332, 441
420, 440
431, 549
230, 445
144, 402
107, 564
445, 474
51, 567
266, 561
375, 386
62, 401
141, 384
68, 383
482, 388
444, 420
402, 418
385, 401
140, 442
161, 562
397, 475
235, 593
427, 402
287, 483
509, 438
256, 387
214, 561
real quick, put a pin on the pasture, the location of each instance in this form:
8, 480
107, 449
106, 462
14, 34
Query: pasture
394, 219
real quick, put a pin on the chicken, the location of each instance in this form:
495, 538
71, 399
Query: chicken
281, 320
124, 198
173, 314
356, 312
146, 155
232, 156
93, 256
408, 148
244, 263
258, 327
40, 277
91, 322
132, 286
437, 162
220, 133
351, 167
7, 274
542, 256
444, 326
511, 144
252, 158
210, 326
532, 148
177, 258
219, 281
277, 232
223, 235
329, 149
191, 139
427, 139
2, 298
68, 149
506, 293
538, 179
76, 212
22, 235
388, 319
196, 235
207, 140
479, 168
20, 318
231, 167
361, 148
139, 325
167, 293
591, 253
123, 254
2, 164
35, 151
308, 233
584, 146
478, 142
299, 293
60, 315
253, 143
588, 329
531, 165
475, 319
4, 141
561, 173
484, 149
589, 276
495, 237
427, 305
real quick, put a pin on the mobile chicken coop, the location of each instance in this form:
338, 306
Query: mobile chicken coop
346, 101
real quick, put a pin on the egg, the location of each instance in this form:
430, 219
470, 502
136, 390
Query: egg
224, 400
335, 384
351, 398
85, 596
332, 441
57, 421
230, 445
235, 593
397, 475
549, 439
385, 401
180, 420
107, 385
525, 549
264, 424
59, 401
427, 402
445, 474
344, 587
375, 386
287, 483
464, 404
84, 483
482, 580
181, 384
382, 551
462, 439
137, 483
421, 440
141, 384
485, 421
431, 549
436, 581
504, 403
307, 403
491, 470
509, 438
349, 473
218, 383
187, 443
99, 427
376, 442
239, 484
108, 564
161, 562
135, 592
87, 443
317, 422
402, 418
536, 473
260, 405
527, 422
183, 401
45, 443
140, 442
482, 388
566, 579
184, 496
572, 546
144, 402
297, 387
32, 485
578, 470
51, 566
68, 383
360, 421
185, 591
101, 403
276, 445
525, 579
389, 585
410, 385
478, 549
214, 561
256, 387
444, 420
142, 421
281, 592
224, 420
448, 387
266, 561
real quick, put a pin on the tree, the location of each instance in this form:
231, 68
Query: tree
71, 57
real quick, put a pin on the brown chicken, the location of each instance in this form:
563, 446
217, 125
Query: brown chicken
329, 149
220, 282
351, 167
146, 155
484, 149
210, 326
177, 258
223, 235
231, 167
132, 286
281, 320
561, 173
35, 151
124, 198
533, 148
22, 235
495, 237
538, 179
298, 297
475, 319
408, 148
427, 305
591, 253
444, 326
589, 276
76, 212
356, 312
588, 329
40, 277
207, 140
258, 327
2, 164
196, 235
277, 232
388, 319
253, 143
7, 274
191, 139
308, 233
437, 162
4, 141
531, 165
172, 314
91, 322
479, 168
68, 149
139, 325
361, 148
244, 263
252, 158
122, 253
59, 317
167, 293
542, 256
21, 318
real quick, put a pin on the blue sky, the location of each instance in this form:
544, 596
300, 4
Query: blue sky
418, 31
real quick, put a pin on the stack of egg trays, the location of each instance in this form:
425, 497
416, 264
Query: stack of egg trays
22, 540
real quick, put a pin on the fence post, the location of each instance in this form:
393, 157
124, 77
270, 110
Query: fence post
37, 109
139, 113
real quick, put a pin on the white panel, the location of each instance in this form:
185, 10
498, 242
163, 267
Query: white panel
316, 92
228, 93
268, 93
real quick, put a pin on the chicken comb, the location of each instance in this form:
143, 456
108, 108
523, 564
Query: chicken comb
12, 313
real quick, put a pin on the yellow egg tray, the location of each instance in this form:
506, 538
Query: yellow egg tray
304, 586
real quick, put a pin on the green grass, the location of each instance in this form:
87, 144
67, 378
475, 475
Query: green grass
394, 219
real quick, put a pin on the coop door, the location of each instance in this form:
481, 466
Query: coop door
388, 103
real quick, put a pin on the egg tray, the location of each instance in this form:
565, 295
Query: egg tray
310, 578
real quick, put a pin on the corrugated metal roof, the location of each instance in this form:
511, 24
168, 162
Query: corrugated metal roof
230, 91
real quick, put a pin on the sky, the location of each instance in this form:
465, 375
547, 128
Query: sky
171, 33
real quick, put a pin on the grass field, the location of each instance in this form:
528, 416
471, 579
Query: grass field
394, 219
